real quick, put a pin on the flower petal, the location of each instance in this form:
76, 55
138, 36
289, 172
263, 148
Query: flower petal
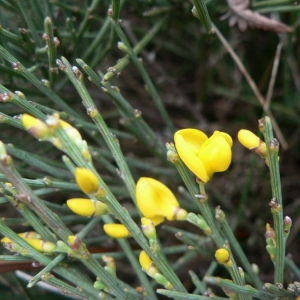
117, 231
154, 198
216, 154
189, 155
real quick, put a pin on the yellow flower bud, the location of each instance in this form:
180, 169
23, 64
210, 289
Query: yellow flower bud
86, 180
252, 142
75, 243
147, 264
6, 240
36, 127
87, 207
72, 239
32, 238
148, 228
156, 201
223, 257
71, 131
202, 155
117, 231
41, 245
30, 235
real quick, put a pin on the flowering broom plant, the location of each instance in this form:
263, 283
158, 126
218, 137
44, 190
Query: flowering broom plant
104, 189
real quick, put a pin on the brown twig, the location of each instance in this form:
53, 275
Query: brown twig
273, 76
254, 88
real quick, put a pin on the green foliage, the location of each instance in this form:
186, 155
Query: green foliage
125, 75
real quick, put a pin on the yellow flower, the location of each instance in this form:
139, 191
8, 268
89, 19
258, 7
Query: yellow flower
36, 127
252, 142
117, 231
202, 155
36, 243
86, 180
87, 207
156, 201
41, 245
147, 264
30, 235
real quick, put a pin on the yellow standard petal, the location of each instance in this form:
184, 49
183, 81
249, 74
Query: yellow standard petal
188, 143
154, 199
87, 207
117, 231
86, 180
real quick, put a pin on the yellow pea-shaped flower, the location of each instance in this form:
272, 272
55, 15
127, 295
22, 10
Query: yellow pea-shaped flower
202, 155
156, 201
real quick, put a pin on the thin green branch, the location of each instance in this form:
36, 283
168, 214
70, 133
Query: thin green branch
276, 202
150, 86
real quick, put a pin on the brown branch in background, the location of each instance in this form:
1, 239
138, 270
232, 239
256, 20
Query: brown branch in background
273, 76
254, 88
239, 14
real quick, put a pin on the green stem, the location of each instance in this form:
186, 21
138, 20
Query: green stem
118, 210
37, 83
115, 285
203, 15
115, 10
122, 63
34, 280
113, 145
136, 124
65, 288
206, 213
51, 48
234, 244
26, 196
241, 290
70, 275
185, 296
150, 86
29, 21
87, 17
276, 209
200, 286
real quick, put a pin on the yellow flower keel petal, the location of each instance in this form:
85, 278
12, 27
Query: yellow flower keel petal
86, 180
117, 231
